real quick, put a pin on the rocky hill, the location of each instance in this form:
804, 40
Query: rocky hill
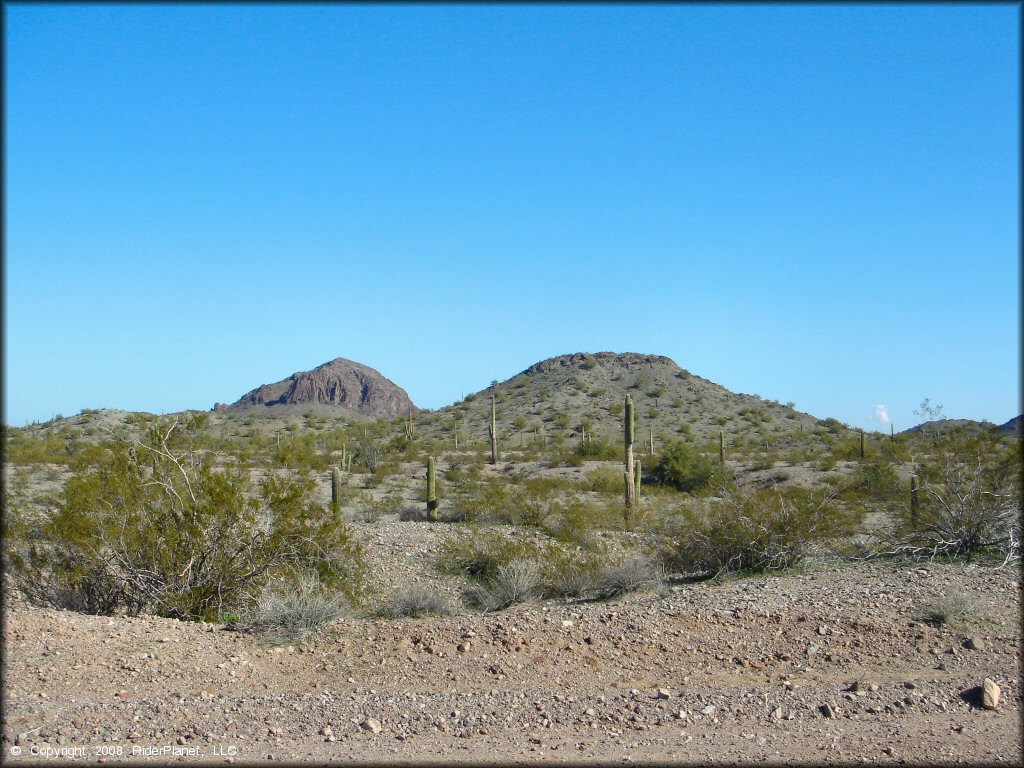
947, 426
561, 397
1013, 427
339, 383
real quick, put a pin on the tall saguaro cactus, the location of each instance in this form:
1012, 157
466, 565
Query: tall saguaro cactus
629, 473
862, 445
913, 500
493, 430
335, 489
721, 447
431, 490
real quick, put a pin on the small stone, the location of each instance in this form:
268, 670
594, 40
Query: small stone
812, 649
909, 685
709, 710
463, 647
975, 644
182, 740
777, 714
371, 725
123, 695
823, 630
990, 693
664, 693
827, 710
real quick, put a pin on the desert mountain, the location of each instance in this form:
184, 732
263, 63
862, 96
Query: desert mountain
1013, 427
564, 395
946, 426
339, 383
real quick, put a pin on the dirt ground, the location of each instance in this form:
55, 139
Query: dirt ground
830, 664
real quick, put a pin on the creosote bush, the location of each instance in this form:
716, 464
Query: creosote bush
155, 527
504, 570
759, 530
683, 468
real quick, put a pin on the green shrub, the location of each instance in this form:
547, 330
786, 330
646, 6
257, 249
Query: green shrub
682, 468
874, 480
599, 449
478, 552
156, 527
605, 480
764, 529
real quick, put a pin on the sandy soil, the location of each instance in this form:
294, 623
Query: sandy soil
830, 664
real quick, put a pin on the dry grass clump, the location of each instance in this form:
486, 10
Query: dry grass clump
518, 581
415, 600
295, 609
630, 573
953, 610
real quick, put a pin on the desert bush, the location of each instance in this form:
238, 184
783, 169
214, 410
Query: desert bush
763, 529
369, 509
955, 609
573, 520
295, 607
413, 513
682, 468
478, 552
605, 480
600, 448
517, 581
969, 504
155, 527
475, 500
414, 601
873, 480
629, 573
565, 573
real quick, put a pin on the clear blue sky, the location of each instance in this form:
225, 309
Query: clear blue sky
812, 203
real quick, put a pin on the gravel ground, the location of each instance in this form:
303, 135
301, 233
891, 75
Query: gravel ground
830, 664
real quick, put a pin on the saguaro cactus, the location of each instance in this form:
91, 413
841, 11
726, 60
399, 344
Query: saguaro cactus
636, 479
721, 447
335, 489
628, 437
913, 500
862, 445
493, 430
431, 490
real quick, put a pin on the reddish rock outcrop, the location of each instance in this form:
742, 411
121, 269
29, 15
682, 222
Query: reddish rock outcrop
341, 383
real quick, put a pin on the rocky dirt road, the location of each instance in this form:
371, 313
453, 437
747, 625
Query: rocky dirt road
831, 664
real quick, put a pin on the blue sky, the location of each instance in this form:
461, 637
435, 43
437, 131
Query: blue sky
812, 203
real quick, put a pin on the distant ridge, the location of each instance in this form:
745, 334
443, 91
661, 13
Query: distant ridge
340, 383
1012, 427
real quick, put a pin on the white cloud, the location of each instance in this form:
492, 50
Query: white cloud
881, 414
